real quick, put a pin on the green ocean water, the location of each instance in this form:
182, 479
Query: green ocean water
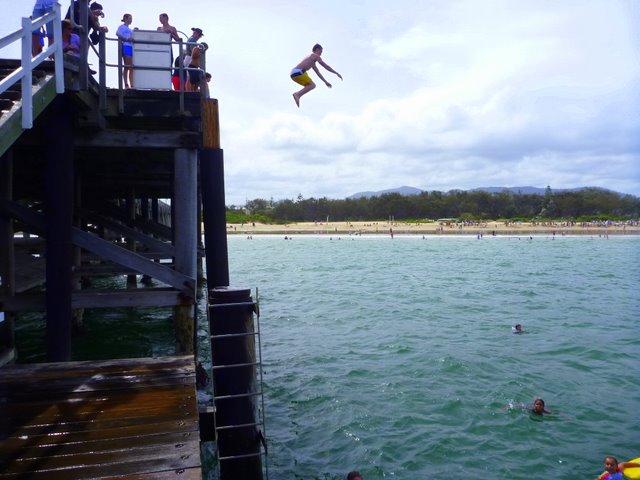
396, 357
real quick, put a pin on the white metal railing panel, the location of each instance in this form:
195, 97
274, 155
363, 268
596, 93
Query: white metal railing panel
25, 72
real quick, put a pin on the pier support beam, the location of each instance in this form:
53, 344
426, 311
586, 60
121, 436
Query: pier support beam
185, 230
78, 313
214, 215
132, 279
59, 216
213, 201
7, 262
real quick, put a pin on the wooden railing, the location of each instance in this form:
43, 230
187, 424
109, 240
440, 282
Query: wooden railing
25, 72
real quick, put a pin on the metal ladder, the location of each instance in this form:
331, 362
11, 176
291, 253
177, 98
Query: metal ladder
260, 420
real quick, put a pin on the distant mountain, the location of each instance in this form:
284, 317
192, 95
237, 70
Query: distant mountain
404, 190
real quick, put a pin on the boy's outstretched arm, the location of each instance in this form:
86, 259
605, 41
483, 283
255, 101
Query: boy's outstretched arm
315, 69
327, 67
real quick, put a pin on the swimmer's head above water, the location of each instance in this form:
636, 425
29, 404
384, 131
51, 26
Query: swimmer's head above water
538, 407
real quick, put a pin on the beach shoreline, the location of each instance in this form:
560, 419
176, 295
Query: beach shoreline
433, 229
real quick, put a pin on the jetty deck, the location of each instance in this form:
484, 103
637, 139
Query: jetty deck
133, 418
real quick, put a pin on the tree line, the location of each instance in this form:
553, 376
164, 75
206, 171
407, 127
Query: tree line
578, 205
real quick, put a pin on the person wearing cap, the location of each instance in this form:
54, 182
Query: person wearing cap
191, 43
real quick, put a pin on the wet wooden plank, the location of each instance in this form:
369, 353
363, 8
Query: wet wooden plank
133, 418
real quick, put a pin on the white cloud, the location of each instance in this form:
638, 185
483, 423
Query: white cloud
436, 94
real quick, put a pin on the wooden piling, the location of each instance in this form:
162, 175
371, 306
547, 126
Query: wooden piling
7, 263
213, 199
59, 204
186, 243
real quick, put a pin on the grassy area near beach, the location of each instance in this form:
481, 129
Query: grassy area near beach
434, 228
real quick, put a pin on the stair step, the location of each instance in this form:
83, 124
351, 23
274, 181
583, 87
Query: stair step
11, 95
5, 104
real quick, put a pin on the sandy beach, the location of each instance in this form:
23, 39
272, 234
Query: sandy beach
434, 228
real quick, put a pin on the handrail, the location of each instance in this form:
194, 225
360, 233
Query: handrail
120, 66
25, 71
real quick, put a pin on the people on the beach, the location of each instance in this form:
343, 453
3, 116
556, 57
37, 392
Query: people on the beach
354, 475
615, 470
300, 76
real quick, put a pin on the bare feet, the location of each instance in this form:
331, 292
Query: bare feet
297, 99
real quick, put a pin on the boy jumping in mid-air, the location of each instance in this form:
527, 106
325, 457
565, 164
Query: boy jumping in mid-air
299, 73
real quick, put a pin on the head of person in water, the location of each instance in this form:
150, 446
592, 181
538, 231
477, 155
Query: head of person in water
355, 475
518, 327
611, 464
538, 406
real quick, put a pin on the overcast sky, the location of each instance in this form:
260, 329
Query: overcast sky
437, 94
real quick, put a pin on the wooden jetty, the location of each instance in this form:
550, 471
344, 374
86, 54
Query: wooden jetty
133, 418
84, 172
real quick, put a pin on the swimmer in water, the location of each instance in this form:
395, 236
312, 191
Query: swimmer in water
517, 328
614, 470
538, 407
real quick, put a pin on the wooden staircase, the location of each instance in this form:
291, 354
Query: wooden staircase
43, 92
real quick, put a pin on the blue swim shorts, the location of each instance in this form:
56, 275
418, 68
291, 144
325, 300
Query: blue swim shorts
127, 50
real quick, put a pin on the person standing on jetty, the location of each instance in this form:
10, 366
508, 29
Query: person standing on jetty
165, 27
299, 73
125, 35
41, 8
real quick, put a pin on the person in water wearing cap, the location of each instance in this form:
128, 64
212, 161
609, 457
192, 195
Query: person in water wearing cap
300, 76
615, 470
